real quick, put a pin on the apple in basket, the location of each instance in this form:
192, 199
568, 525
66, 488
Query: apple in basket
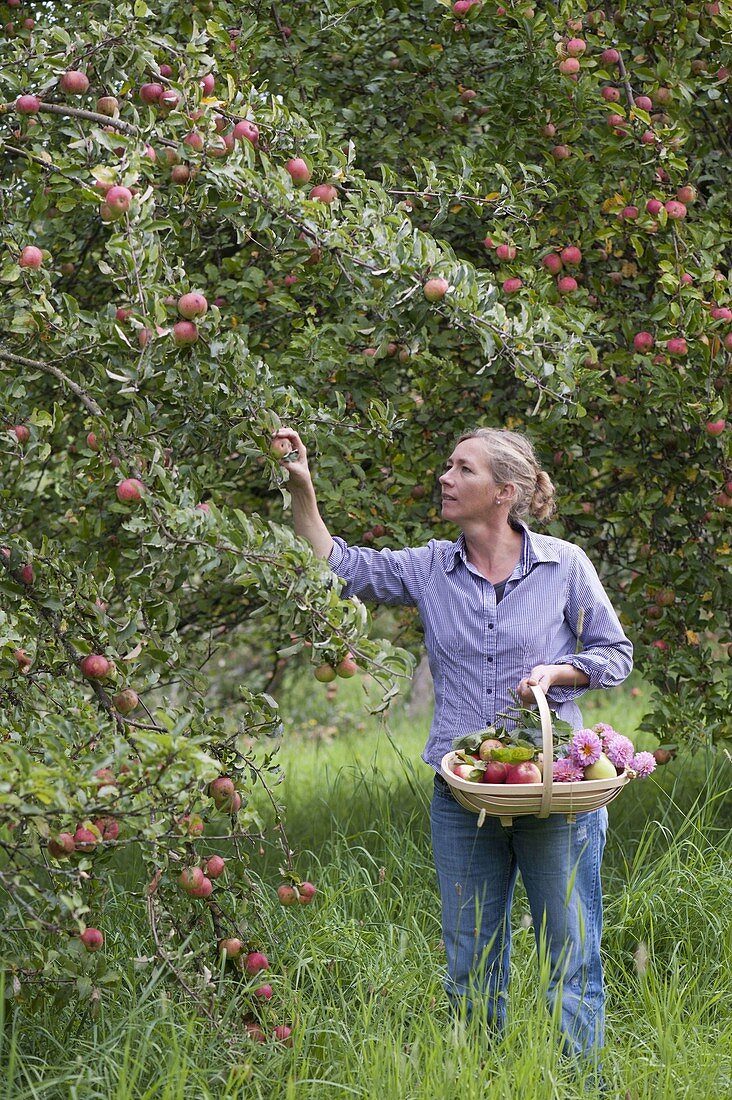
526, 772
495, 772
486, 747
466, 771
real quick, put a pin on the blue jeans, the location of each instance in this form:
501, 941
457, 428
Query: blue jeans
560, 867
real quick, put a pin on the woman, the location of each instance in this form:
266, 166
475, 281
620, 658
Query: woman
502, 608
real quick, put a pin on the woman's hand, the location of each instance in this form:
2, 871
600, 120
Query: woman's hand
547, 676
297, 468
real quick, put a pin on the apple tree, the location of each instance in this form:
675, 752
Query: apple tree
381, 224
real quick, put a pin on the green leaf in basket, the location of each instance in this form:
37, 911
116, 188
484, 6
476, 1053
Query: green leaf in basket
512, 754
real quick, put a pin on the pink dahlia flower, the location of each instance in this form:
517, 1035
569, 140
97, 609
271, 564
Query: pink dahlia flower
567, 770
585, 747
620, 751
643, 763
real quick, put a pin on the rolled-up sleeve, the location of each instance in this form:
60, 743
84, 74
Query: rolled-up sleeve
382, 576
603, 651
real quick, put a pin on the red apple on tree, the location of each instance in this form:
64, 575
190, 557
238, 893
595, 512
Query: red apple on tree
245, 130
347, 667
74, 82
151, 93
62, 845
27, 104
324, 192
298, 170
306, 892
95, 666
192, 305
92, 939
130, 491
185, 333
643, 342
126, 701
286, 894
715, 427
215, 866
30, 257
325, 673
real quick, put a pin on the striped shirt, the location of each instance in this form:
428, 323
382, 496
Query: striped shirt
554, 611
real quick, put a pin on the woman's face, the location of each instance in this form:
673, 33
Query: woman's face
468, 489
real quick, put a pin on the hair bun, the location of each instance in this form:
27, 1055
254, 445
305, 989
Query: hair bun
542, 502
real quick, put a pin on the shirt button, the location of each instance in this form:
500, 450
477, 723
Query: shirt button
489, 691
491, 625
490, 660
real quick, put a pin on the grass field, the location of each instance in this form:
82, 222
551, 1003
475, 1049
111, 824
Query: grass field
359, 973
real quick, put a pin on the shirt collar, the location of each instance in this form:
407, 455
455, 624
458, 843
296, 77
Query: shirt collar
536, 549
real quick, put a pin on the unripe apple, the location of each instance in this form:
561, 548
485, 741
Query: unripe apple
118, 199
601, 769
676, 346
180, 173
715, 427
62, 845
30, 257
549, 130
23, 661
675, 209
256, 961
306, 893
215, 866
511, 286
571, 255
435, 289
663, 96
552, 262
232, 946
561, 152
325, 673
151, 93
246, 131
108, 105
643, 342
92, 939
27, 104
74, 82
567, 284
298, 170
324, 192
130, 491
347, 667
94, 666
506, 252
286, 894
126, 701
653, 206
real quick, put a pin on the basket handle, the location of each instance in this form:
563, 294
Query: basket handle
547, 749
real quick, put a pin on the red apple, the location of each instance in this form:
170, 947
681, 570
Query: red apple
245, 130
567, 284
191, 878
108, 105
283, 1034
552, 262
715, 427
571, 255
92, 939
324, 192
215, 866
256, 961
30, 257
643, 342
27, 104
151, 93
569, 66
675, 209
575, 47
180, 173
130, 491
208, 84
653, 206
191, 305
506, 252
222, 791
263, 992
85, 840
255, 1033
487, 747
676, 346
527, 772
286, 894
118, 200
108, 827
325, 673
126, 701
495, 772
22, 432
185, 333
74, 82
306, 892
561, 152
610, 57
95, 666
347, 667
511, 286
643, 103
298, 170
62, 845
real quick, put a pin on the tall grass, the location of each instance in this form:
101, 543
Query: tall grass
359, 974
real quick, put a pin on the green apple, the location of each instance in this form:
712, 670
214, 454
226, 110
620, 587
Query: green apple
601, 769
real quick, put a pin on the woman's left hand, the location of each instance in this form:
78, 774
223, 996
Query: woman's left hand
546, 676
542, 676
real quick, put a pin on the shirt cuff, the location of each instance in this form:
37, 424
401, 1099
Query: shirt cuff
337, 554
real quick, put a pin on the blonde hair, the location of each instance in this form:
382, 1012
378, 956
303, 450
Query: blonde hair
511, 458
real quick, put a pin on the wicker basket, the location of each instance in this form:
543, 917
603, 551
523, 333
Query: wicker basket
509, 800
